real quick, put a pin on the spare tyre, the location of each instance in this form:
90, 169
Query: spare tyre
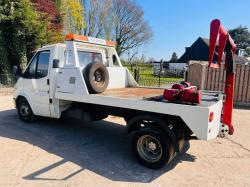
96, 77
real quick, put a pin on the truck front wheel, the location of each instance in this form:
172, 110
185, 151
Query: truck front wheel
152, 147
24, 110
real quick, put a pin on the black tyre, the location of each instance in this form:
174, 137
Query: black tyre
96, 77
181, 139
24, 110
152, 147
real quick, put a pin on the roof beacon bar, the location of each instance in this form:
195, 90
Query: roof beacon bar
86, 39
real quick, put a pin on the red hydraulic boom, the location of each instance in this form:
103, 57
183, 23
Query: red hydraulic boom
227, 45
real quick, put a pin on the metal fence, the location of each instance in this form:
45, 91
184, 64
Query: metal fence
146, 75
7, 80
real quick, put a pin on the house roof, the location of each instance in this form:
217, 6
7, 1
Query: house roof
199, 51
206, 40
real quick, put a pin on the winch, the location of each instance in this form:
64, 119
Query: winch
183, 93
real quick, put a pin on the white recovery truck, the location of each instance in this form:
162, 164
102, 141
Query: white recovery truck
85, 74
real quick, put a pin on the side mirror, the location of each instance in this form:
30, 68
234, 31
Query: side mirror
56, 63
16, 72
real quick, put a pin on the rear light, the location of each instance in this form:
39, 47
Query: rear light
211, 116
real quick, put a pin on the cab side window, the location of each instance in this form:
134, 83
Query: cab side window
30, 72
115, 61
38, 68
42, 64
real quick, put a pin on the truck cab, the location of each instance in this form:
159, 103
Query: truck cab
52, 67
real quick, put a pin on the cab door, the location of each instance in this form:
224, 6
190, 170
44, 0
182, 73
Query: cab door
36, 83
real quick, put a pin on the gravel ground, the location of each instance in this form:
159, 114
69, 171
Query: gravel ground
71, 153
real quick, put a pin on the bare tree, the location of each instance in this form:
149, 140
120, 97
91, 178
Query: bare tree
96, 19
131, 55
104, 22
119, 20
131, 30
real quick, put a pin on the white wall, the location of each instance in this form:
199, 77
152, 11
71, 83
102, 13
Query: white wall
177, 65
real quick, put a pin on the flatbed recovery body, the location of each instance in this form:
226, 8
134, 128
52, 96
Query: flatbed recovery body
137, 98
85, 74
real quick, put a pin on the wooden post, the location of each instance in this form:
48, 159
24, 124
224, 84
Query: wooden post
136, 74
161, 68
197, 74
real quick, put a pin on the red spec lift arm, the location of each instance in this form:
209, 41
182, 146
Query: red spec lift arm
226, 44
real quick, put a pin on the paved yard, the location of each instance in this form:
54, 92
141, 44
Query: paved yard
70, 153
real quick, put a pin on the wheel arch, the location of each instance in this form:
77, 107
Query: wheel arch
168, 123
134, 124
26, 98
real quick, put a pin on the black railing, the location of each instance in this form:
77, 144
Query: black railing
7, 80
144, 74
150, 75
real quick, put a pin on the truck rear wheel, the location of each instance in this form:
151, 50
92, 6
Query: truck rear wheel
181, 139
24, 110
97, 77
152, 147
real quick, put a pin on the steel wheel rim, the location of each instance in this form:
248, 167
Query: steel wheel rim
98, 77
24, 109
149, 148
